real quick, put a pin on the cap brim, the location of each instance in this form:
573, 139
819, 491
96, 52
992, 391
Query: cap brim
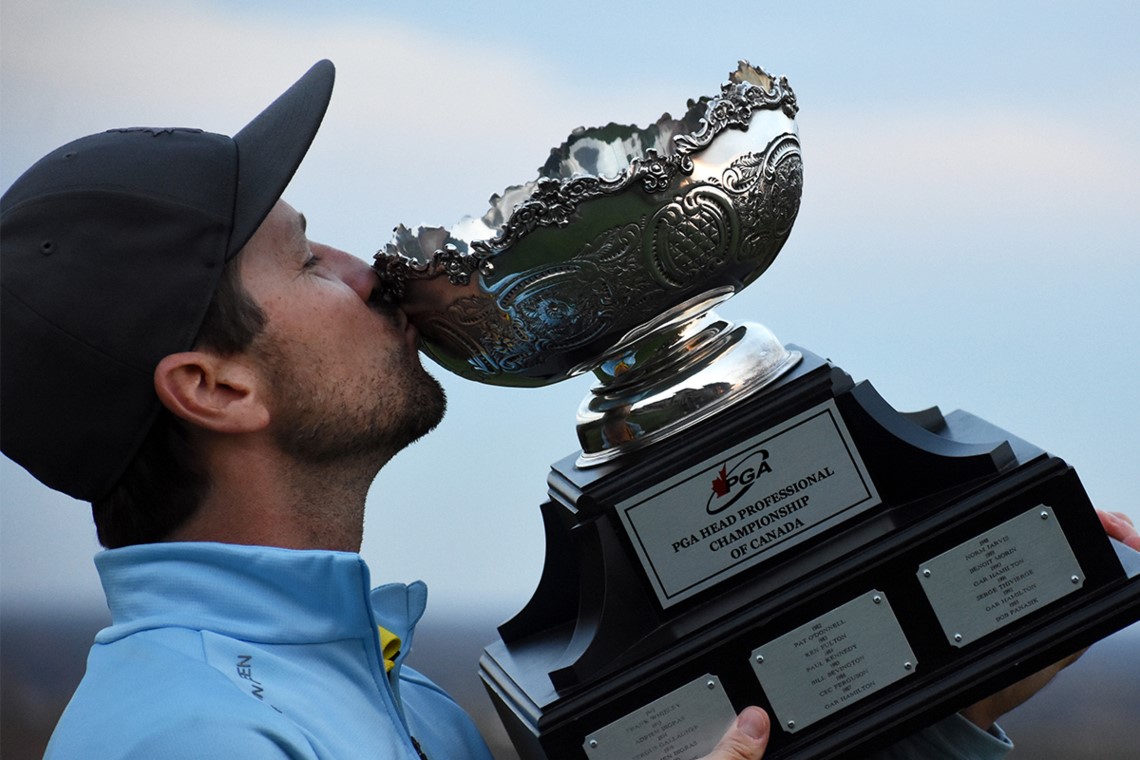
271, 147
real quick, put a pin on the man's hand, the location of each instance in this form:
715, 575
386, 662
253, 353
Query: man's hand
1119, 526
746, 738
985, 713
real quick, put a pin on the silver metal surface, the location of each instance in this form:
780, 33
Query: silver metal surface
611, 261
673, 376
685, 723
999, 576
753, 501
834, 661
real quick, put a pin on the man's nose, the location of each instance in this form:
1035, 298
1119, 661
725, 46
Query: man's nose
351, 270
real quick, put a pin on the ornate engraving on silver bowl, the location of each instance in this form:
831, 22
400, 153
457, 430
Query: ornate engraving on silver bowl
565, 271
620, 278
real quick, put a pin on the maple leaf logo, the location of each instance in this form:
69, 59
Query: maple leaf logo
720, 484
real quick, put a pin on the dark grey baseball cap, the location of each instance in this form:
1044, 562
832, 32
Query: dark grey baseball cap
111, 248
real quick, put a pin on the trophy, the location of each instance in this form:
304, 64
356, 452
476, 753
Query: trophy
744, 523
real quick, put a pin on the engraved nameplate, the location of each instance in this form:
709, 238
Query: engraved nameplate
834, 661
1001, 575
685, 723
722, 516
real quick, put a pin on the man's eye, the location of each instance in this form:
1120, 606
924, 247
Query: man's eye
312, 261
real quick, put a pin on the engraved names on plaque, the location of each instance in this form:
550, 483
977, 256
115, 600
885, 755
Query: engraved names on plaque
722, 516
684, 724
832, 662
1001, 575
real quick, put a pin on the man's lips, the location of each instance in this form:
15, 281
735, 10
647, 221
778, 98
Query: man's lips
402, 315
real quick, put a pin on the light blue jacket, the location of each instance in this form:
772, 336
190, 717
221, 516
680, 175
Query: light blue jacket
220, 651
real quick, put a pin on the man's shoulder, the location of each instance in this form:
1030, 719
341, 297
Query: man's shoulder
152, 697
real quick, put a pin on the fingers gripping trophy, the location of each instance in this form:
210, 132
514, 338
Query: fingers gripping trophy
857, 571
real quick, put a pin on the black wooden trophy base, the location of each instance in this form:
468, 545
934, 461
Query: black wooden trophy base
597, 643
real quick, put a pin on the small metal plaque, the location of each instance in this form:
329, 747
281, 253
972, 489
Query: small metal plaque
1001, 575
833, 661
684, 724
750, 502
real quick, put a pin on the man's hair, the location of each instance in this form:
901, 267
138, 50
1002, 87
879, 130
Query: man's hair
166, 481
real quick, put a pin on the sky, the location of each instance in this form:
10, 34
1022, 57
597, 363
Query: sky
967, 235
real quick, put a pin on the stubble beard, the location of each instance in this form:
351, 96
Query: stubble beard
364, 419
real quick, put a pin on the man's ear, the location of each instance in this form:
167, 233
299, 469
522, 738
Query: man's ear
213, 392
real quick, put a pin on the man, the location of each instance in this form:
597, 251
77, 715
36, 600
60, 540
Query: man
223, 391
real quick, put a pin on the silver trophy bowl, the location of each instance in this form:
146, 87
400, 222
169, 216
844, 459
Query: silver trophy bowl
612, 260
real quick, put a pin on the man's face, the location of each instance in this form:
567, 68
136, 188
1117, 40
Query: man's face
344, 376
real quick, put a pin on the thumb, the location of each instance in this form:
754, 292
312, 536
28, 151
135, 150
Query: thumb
746, 738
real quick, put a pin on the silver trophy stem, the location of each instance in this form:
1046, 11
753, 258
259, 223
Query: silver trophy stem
675, 372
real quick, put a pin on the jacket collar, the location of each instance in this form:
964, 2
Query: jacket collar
254, 593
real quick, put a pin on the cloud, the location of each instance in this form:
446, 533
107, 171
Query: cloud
997, 165
417, 116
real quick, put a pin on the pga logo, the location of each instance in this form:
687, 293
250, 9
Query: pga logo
730, 485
